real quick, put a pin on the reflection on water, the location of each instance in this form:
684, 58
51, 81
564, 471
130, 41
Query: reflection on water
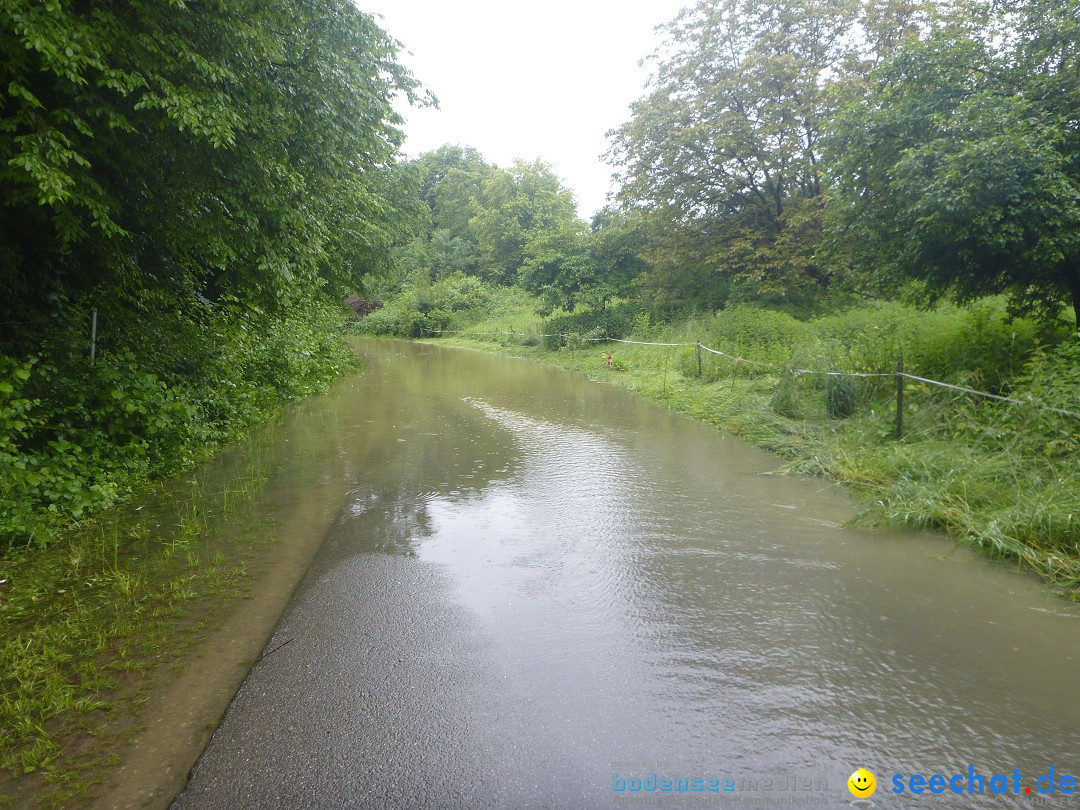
621, 591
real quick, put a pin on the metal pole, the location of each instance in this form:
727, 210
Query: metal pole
93, 337
900, 397
699, 358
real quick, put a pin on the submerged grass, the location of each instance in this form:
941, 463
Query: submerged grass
86, 622
988, 473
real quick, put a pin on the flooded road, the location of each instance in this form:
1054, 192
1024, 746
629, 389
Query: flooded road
543, 592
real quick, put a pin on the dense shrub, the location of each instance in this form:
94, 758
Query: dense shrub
841, 396
978, 345
424, 308
616, 320
1049, 384
77, 436
761, 334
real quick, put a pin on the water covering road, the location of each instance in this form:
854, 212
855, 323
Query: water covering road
541, 589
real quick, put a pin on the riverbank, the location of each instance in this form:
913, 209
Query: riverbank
988, 475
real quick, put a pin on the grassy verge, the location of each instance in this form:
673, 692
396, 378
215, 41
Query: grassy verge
90, 622
1004, 478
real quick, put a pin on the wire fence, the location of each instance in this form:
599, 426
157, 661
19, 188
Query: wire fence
899, 375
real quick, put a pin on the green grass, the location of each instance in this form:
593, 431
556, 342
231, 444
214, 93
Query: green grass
86, 622
1004, 478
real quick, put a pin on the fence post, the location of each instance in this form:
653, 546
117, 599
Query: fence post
93, 337
699, 358
900, 396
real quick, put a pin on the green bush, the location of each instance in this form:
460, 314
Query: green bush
980, 345
785, 399
759, 334
553, 341
616, 320
423, 308
77, 436
1049, 384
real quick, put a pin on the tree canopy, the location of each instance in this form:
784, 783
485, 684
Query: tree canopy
196, 149
481, 218
210, 178
960, 167
725, 155
516, 206
724, 149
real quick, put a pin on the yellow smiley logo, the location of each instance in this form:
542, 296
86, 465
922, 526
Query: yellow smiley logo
862, 783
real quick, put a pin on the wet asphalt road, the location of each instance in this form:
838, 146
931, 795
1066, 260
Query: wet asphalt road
383, 707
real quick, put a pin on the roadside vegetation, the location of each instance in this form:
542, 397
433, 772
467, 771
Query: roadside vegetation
189, 195
76, 437
98, 618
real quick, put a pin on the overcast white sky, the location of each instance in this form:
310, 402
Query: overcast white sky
527, 79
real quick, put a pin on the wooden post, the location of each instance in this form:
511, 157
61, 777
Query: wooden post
900, 397
93, 337
699, 358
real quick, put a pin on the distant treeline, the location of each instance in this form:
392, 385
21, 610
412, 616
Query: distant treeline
798, 154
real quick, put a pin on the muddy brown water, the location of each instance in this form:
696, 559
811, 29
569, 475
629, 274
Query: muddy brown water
537, 591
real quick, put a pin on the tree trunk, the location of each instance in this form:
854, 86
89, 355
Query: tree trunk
1072, 281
